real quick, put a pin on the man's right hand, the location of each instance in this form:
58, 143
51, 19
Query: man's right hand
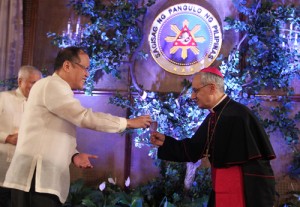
12, 139
139, 122
157, 139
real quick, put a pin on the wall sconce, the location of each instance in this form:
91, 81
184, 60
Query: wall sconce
70, 36
292, 35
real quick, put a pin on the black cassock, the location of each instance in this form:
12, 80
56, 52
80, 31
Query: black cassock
238, 140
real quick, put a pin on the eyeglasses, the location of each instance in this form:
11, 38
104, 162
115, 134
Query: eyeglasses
82, 67
196, 90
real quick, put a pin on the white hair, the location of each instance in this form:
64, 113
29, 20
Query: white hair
26, 70
207, 78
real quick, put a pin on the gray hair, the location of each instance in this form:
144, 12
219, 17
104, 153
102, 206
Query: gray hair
207, 78
26, 70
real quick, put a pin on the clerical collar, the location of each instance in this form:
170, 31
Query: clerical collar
212, 109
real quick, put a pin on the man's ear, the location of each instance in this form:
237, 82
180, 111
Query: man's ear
67, 66
213, 88
19, 81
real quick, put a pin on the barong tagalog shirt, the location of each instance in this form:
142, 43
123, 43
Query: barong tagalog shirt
239, 151
47, 137
12, 105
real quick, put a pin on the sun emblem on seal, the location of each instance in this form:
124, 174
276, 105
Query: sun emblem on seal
185, 39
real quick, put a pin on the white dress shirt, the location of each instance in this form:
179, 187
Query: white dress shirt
47, 137
11, 110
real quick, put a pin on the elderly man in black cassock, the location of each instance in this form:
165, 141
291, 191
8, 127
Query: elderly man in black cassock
233, 141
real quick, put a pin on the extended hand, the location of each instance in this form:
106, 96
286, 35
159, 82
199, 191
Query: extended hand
139, 122
12, 139
82, 160
157, 138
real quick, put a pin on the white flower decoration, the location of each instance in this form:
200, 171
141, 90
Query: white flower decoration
127, 182
112, 181
102, 186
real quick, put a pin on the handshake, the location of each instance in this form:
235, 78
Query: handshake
145, 121
142, 122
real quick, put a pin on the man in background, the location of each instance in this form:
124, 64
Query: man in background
12, 104
39, 172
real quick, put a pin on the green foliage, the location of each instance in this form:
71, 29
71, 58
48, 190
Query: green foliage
81, 195
111, 36
165, 190
170, 185
294, 169
177, 115
268, 64
9, 83
292, 200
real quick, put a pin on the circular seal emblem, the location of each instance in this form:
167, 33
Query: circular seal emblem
185, 38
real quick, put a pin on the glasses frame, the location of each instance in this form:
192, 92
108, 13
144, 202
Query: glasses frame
196, 90
82, 66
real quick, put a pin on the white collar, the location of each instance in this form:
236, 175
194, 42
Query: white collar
223, 97
20, 94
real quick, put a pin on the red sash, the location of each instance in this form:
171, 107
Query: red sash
228, 187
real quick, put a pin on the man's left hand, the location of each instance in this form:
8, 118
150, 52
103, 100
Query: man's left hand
82, 160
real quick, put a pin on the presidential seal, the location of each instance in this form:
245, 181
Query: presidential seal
185, 38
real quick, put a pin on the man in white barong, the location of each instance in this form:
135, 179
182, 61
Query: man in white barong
39, 172
12, 104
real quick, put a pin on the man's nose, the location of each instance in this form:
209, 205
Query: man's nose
193, 96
